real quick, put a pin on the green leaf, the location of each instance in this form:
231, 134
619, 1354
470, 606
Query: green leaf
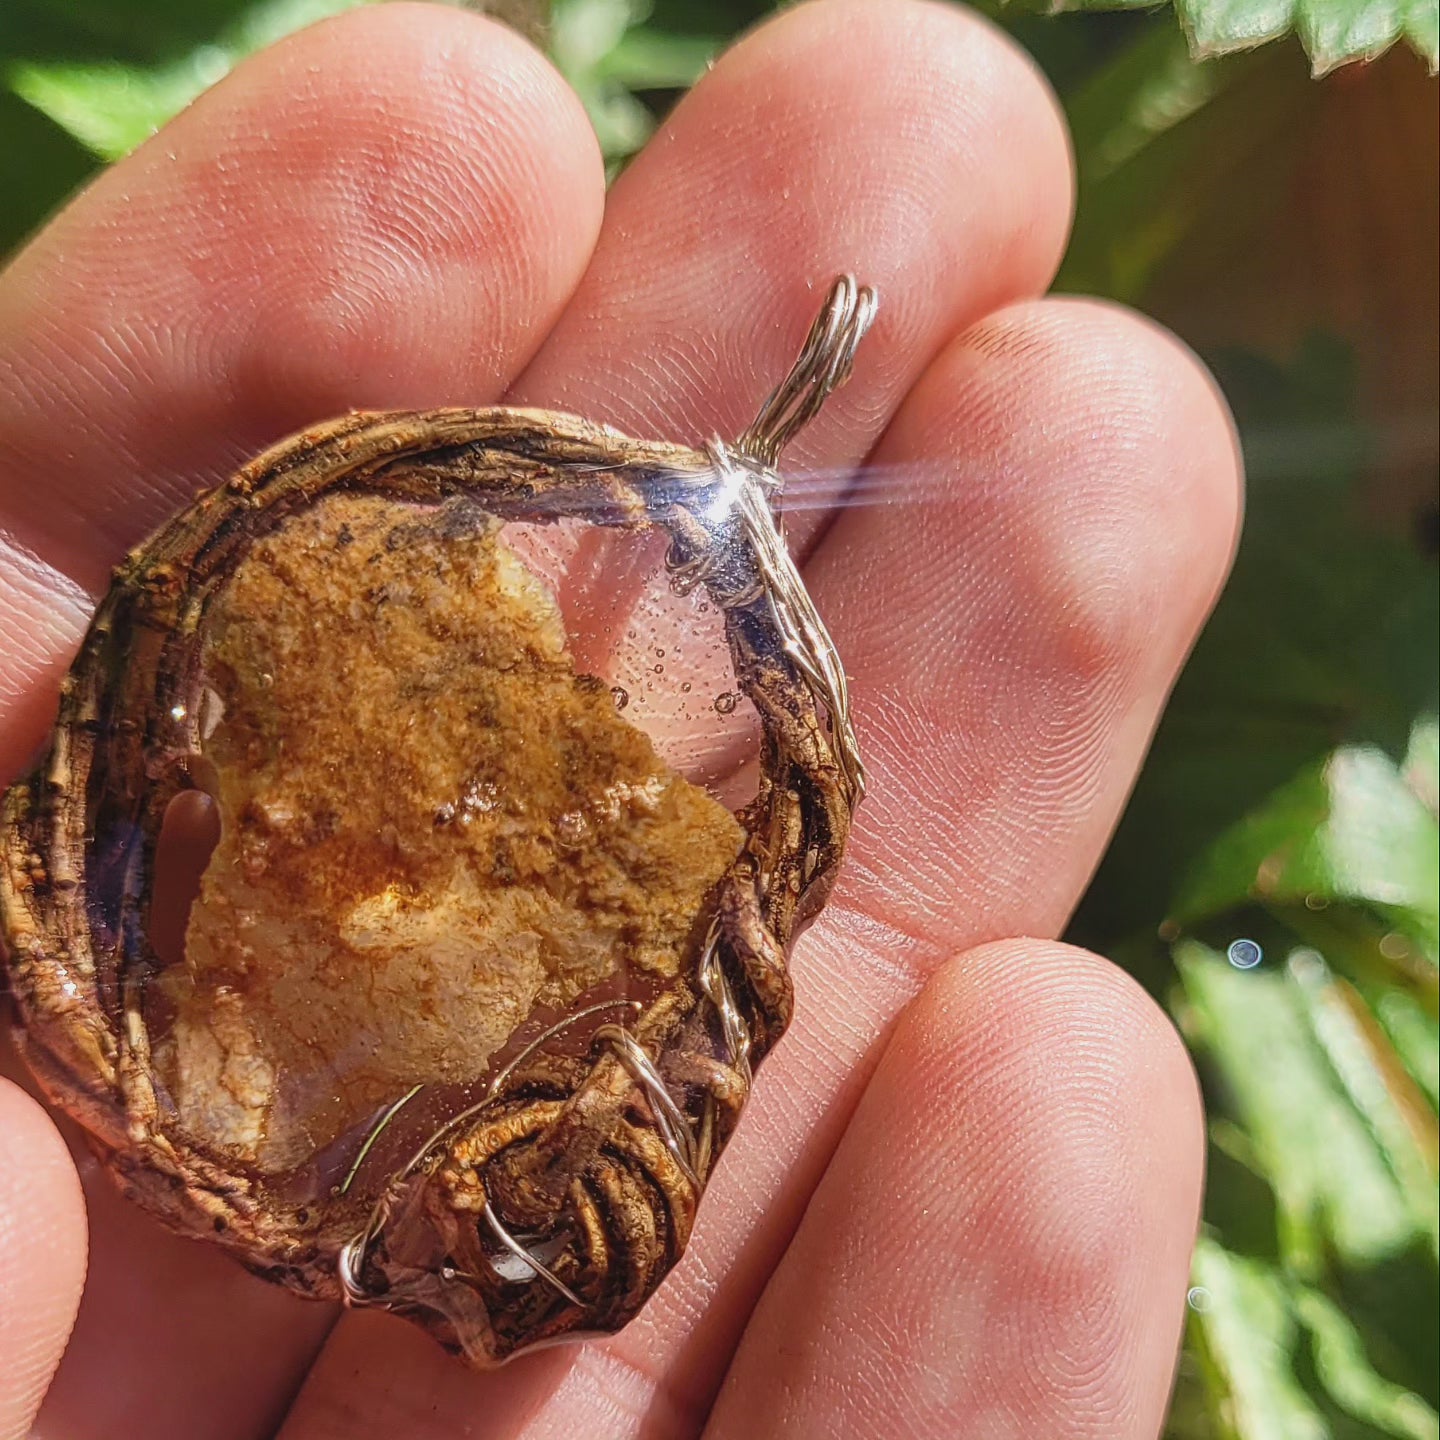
1337, 31
1334, 32
1415, 1034
111, 106
1309, 1104
1165, 144
584, 32
1333, 1187
1283, 1362
40, 165
606, 52
583, 36
1327, 637
110, 109
1422, 763
1349, 829
1351, 1381
1247, 1334
1291, 786
1218, 26
1142, 95
1396, 1115
648, 59
1422, 29
135, 32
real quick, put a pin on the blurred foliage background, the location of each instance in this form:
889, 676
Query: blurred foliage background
1262, 176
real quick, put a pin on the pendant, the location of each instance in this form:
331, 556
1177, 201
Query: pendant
405, 899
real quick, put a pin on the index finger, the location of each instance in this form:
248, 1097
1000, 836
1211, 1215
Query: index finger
388, 210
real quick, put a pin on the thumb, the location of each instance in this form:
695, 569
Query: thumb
42, 1255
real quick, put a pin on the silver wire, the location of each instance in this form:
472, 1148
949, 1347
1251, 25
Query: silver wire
747, 471
802, 632
675, 1129
823, 365
528, 1257
717, 990
352, 1253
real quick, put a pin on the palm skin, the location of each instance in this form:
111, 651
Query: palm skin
962, 1201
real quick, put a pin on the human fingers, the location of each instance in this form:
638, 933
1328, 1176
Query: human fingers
42, 1256
909, 143
387, 210
1065, 508
1010, 643
1000, 1245
1062, 513
906, 142
903, 140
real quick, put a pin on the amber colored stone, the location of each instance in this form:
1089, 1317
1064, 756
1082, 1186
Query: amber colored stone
431, 824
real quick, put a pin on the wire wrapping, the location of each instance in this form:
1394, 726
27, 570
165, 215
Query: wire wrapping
823, 365
749, 482
751, 487
352, 1255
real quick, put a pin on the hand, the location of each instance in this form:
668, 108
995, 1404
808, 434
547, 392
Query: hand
962, 1202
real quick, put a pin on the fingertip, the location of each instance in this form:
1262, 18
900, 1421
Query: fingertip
1067, 498
909, 142
1001, 1242
436, 191
1115, 471
1073, 1019
1141, 390
1064, 1109
42, 1255
1055, 1059
984, 108
387, 209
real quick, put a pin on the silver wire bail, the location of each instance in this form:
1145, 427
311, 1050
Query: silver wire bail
823, 365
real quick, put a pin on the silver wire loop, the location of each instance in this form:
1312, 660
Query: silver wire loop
823, 365
746, 474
